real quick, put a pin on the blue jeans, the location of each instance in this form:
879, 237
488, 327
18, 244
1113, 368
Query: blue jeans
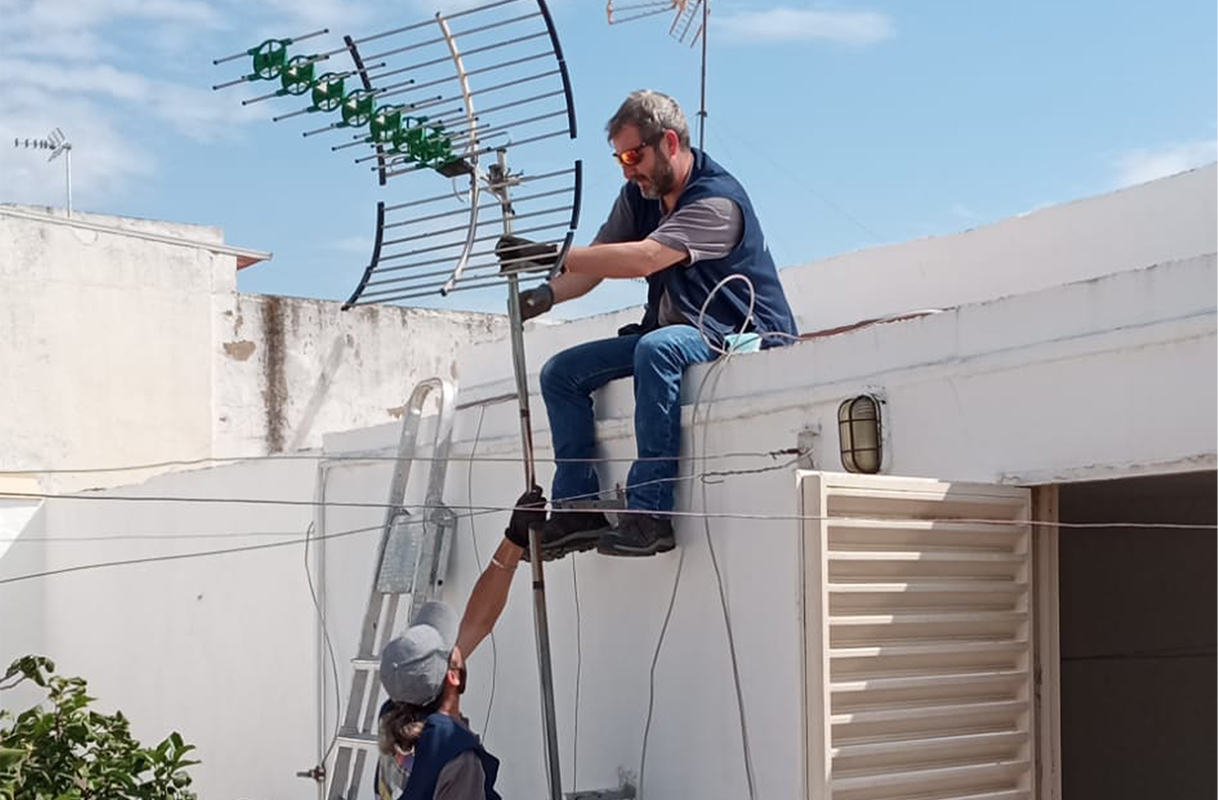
656, 360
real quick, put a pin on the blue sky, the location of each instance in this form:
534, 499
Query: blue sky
852, 123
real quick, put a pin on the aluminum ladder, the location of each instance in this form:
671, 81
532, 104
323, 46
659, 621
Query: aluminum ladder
411, 563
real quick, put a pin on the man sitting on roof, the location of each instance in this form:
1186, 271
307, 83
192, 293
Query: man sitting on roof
685, 224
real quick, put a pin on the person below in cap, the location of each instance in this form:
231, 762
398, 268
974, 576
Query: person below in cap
684, 223
427, 751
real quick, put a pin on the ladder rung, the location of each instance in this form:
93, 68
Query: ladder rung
356, 739
366, 663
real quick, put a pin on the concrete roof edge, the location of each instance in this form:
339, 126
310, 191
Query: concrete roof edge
245, 254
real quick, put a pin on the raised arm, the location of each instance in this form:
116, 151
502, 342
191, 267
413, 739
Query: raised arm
489, 597
490, 593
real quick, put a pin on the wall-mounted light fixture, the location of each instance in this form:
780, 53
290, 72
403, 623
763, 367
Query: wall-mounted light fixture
858, 427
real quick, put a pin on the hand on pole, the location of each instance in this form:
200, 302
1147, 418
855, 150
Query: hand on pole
515, 253
536, 301
530, 513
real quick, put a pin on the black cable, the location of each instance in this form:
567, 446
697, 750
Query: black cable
221, 461
354, 504
474, 511
325, 633
207, 553
579, 662
727, 619
655, 658
469, 488
484, 509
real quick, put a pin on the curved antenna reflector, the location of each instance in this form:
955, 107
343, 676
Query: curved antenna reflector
471, 155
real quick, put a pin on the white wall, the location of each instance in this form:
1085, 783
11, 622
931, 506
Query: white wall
22, 605
104, 341
221, 648
120, 350
1062, 384
1164, 220
1111, 376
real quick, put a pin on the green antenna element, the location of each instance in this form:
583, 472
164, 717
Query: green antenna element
270, 57
327, 92
357, 108
423, 144
386, 122
297, 76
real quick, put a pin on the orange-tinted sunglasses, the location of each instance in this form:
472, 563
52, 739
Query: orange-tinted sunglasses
631, 157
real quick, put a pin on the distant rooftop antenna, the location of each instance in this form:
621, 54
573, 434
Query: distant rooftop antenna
479, 81
684, 14
58, 144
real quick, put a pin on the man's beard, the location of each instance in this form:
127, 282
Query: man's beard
661, 180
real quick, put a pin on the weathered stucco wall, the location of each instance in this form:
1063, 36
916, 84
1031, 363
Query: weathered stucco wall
287, 370
120, 350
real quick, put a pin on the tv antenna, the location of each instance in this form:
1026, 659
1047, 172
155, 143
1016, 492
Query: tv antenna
685, 13
59, 145
434, 100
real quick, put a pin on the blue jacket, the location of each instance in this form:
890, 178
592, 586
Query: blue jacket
689, 286
443, 740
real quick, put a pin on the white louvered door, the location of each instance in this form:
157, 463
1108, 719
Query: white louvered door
917, 639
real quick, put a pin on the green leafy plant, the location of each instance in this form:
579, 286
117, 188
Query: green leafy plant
64, 751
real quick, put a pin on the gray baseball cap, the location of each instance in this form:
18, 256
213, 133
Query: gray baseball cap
413, 665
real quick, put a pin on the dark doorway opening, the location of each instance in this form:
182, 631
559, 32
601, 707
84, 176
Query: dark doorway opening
1137, 624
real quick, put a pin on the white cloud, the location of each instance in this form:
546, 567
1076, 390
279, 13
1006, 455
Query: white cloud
1140, 166
350, 245
796, 25
295, 18
125, 79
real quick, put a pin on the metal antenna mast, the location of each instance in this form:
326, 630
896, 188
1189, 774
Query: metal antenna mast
58, 144
483, 80
685, 14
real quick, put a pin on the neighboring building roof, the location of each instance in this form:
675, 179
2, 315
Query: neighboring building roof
245, 256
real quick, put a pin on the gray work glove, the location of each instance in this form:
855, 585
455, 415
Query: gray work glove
515, 253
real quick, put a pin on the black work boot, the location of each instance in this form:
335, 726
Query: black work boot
569, 531
638, 535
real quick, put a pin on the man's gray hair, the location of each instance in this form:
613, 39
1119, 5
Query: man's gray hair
652, 113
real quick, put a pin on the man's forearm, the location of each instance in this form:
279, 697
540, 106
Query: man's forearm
489, 597
622, 259
569, 286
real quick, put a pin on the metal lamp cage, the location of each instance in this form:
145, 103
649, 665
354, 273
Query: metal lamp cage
858, 425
